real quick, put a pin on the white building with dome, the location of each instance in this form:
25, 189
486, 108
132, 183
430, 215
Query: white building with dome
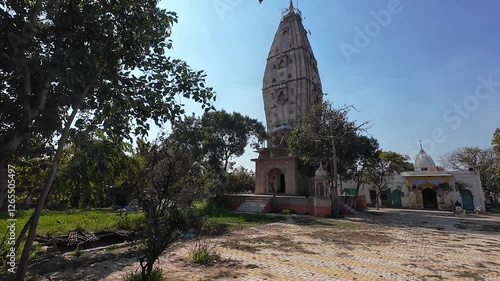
429, 187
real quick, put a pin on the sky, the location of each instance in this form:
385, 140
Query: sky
418, 70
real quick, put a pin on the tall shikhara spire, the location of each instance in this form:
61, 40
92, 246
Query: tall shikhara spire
291, 79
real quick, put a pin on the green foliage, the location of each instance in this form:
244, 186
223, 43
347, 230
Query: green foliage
172, 185
286, 212
211, 227
94, 167
240, 180
483, 160
129, 222
496, 142
214, 140
156, 275
313, 140
382, 169
203, 253
30, 173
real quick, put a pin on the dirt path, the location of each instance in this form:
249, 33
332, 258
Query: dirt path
379, 245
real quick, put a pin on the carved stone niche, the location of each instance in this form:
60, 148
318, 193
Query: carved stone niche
280, 95
282, 61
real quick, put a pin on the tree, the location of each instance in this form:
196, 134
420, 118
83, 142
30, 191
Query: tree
240, 180
364, 149
381, 170
103, 64
217, 138
172, 186
326, 135
95, 165
496, 142
482, 160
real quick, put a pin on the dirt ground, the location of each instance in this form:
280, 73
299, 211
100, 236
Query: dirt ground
389, 244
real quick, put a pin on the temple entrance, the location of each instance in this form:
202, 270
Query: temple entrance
467, 200
276, 181
430, 198
281, 188
396, 199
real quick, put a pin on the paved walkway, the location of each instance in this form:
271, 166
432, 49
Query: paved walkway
379, 245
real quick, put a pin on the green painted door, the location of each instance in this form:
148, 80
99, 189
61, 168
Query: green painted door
396, 199
467, 200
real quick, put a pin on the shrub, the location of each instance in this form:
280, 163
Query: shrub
211, 227
286, 212
156, 275
203, 253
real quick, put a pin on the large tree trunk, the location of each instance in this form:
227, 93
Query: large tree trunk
23, 263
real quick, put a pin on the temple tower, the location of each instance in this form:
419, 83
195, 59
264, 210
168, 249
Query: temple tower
291, 79
291, 85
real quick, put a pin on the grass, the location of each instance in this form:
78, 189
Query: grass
235, 220
156, 275
63, 222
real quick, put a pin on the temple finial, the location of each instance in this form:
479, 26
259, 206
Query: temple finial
421, 148
290, 9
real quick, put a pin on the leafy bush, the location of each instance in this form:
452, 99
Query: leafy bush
286, 212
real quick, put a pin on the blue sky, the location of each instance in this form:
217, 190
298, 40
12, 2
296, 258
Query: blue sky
430, 71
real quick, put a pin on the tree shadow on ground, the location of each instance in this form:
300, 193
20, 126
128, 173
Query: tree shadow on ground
56, 266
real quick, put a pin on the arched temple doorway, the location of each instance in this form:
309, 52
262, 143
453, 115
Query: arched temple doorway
429, 198
276, 181
467, 200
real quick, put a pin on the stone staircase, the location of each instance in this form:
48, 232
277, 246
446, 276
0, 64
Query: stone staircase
257, 205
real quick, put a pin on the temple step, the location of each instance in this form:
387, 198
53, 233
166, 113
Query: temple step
252, 207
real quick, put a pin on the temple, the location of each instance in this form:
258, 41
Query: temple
428, 187
291, 85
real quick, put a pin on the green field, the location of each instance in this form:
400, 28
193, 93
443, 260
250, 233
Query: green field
63, 222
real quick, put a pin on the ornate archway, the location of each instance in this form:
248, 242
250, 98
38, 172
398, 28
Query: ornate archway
275, 181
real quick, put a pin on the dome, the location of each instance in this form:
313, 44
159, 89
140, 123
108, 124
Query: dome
320, 172
423, 161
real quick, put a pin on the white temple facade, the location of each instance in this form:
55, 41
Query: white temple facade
427, 187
